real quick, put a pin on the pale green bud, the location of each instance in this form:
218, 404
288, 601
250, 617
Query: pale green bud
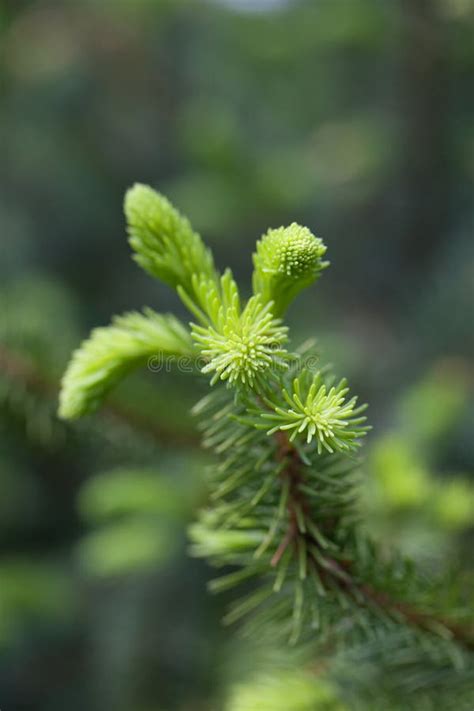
164, 242
287, 260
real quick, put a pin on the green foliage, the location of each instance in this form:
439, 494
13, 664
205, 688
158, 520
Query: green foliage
403, 486
31, 591
281, 517
323, 145
289, 691
34, 309
164, 242
33, 312
111, 352
403, 480
124, 547
314, 410
287, 260
123, 492
396, 674
430, 409
243, 346
453, 504
137, 517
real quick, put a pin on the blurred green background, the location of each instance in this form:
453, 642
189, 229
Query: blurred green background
353, 117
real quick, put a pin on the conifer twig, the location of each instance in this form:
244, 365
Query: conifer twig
15, 366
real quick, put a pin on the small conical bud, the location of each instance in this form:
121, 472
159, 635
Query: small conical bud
287, 260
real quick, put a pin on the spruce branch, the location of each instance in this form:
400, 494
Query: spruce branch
315, 411
282, 517
344, 569
24, 380
111, 352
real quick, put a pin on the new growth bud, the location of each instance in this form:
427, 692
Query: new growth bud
164, 242
287, 260
245, 346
